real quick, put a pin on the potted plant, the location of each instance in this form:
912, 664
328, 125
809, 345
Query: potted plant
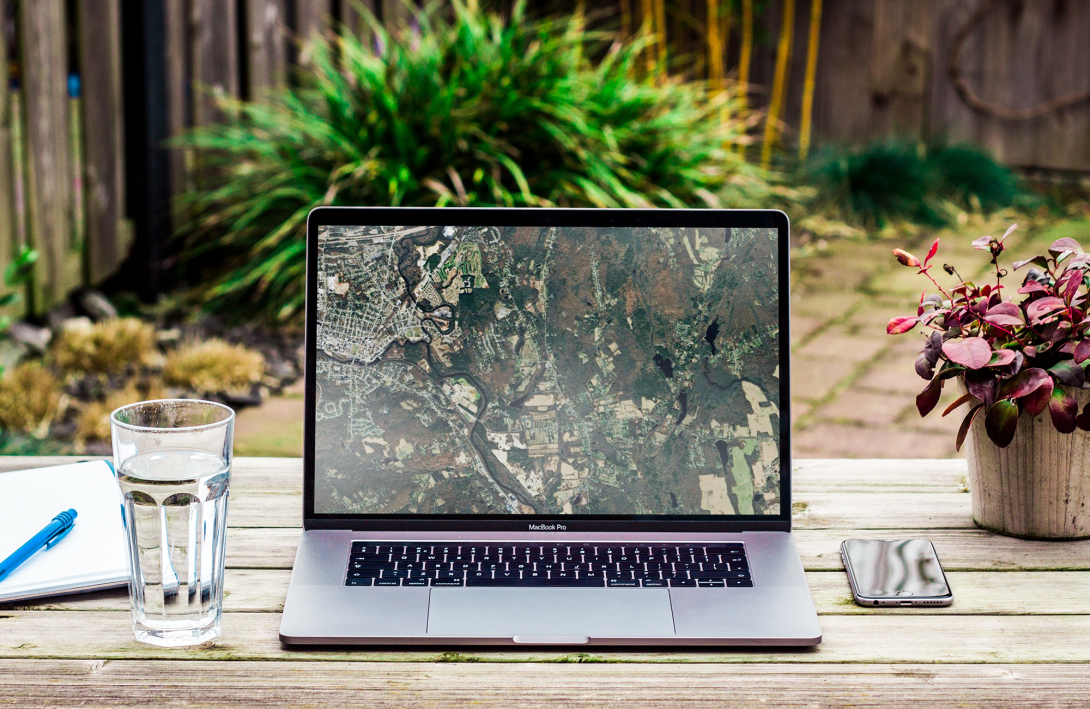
1019, 361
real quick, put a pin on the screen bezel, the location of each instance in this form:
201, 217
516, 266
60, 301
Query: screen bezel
503, 217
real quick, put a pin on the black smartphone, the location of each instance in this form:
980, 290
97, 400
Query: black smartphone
902, 572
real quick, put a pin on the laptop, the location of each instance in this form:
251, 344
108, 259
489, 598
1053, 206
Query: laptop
547, 427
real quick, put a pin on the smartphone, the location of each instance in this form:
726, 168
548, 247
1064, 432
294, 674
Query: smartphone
902, 572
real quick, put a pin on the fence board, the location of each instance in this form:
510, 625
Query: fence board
1018, 56
104, 185
7, 165
49, 172
176, 27
311, 17
267, 45
215, 57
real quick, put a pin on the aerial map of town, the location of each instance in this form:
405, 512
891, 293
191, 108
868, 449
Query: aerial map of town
547, 370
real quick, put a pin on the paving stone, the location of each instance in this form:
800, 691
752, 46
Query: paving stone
824, 305
892, 376
813, 377
863, 407
829, 440
836, 345
803, 326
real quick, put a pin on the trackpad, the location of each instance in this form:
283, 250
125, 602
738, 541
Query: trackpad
550, 612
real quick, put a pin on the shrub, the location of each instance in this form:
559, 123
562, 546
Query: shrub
29, 396
93, 422
108, 347
470, 110
213, 366
901, 180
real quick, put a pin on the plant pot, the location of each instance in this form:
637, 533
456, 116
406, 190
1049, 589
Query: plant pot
1038, 487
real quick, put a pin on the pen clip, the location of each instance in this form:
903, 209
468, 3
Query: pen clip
52, 542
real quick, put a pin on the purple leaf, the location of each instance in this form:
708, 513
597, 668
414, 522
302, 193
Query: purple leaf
1062, 246
1001, 422
906, 258
1039, 309
1037, 400
1067, 372
973, 352
926, 399
1064, 409
1082, 351
960, 400
1001, 358
1039, 260
984, 243
1024, 382
931, 252
1005, 314
1032, 287
965, 423
1069, 283
1008, 232
925, 368
902, 324
981, 384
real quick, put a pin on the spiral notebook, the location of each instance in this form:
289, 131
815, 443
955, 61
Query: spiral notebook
92, 557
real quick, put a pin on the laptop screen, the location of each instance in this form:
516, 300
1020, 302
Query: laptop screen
556, 370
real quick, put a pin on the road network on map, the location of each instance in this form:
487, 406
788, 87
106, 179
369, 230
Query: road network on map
478, 370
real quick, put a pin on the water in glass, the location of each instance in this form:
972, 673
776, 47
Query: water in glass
176, 512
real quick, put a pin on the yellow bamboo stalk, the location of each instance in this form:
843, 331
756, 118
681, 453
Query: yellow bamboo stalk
660, 32
746, 53
715, 49
779, 81
647, 29
626, 19
724, 28
808, 84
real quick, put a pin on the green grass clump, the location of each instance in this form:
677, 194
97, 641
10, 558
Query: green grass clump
901, 180
107, 347
470, 110
213, 366
29, 396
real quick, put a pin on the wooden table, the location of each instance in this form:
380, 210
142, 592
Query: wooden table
1018, 633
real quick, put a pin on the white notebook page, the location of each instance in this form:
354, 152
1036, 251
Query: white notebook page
93, 555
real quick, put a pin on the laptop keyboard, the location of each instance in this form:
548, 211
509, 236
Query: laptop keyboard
595, 564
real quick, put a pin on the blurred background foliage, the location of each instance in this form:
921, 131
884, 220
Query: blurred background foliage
471, 110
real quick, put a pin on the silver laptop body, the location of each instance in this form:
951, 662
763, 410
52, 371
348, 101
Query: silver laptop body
547, 427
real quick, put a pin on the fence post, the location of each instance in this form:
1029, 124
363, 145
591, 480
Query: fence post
215, 57
100, 72
266, 45
311, 17
7, 165
49, 174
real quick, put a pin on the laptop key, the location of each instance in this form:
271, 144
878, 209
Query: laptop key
711, 583
414, 582
370, 557
740, 583
674, 583
655, 583
521, 583
358, 582
631, 583
387, 582
448, 582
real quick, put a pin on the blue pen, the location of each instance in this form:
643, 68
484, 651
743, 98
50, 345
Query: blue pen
54, 532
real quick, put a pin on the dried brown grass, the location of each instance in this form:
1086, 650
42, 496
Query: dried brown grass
108, 347
93, 422
214, 366
29, 396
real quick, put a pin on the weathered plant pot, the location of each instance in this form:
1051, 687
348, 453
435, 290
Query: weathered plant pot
1038, 487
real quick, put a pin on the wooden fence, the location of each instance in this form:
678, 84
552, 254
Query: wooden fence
92, 88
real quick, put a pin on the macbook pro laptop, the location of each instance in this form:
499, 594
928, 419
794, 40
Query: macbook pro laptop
549, 426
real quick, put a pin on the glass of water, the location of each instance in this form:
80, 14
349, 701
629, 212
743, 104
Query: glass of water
173, 462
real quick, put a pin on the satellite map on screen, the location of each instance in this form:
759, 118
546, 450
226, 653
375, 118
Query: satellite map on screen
547, 370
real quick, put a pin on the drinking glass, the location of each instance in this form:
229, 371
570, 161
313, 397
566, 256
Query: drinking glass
173, 463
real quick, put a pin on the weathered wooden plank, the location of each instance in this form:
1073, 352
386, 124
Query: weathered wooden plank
215, 56
312, 18
267, 45
975, 593
177, 77
846, 638
120, 683
49, 167
104, 166
958, 550
8, 233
